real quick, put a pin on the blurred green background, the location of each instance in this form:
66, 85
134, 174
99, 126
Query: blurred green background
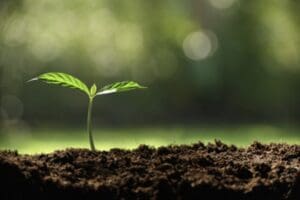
227, 69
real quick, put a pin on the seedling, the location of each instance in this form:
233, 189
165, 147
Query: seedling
69, 81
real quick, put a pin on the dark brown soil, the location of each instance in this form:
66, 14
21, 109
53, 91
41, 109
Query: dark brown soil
213, 171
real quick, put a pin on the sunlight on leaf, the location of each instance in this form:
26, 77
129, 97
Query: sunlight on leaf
120, 87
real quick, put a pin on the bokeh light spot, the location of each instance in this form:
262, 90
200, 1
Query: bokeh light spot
199, 45
11, 106
222, 4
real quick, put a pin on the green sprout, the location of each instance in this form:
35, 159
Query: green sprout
69, 81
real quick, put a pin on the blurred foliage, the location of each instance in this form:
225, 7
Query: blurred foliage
207, 60
48, 139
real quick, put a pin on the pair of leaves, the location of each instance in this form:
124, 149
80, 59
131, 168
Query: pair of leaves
69, 81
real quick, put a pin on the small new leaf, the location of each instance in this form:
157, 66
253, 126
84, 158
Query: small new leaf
62, 79
93, 90
120, 87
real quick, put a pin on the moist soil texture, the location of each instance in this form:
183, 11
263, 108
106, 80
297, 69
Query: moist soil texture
198, 171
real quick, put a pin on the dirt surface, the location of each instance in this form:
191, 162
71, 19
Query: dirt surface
213, 171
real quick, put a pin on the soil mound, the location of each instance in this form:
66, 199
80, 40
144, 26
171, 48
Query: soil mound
198, 171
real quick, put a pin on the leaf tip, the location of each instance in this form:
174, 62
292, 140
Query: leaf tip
33, 79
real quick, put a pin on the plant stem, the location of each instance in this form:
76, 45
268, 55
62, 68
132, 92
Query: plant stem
89, 124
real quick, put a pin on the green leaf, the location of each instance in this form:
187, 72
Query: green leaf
64, 80
93, 90
119, 87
